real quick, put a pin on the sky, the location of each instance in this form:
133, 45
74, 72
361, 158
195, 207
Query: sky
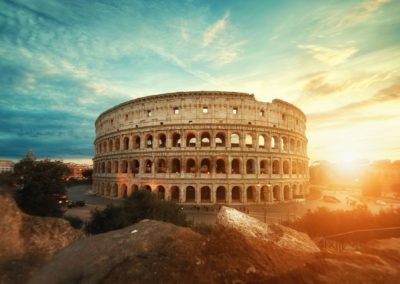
62, 63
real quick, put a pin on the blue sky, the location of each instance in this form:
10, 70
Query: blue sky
64, 62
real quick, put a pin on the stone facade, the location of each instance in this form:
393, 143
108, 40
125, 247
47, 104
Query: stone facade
202, 147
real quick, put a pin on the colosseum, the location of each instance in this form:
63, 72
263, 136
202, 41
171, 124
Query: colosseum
202, 148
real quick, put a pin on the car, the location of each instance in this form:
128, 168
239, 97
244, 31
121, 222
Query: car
330, 198
78, 203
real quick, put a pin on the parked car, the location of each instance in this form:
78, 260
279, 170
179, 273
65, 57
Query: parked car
78, 203
330, 198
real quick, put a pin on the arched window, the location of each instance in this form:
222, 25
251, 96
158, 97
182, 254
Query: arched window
135, 167
277, 193
175, 193
235, 166
205, 166
115, 190
205, 194
136, 140
264, 167
236, 194
220, 140
110, 146
292, 145
124, 166
190, 166
221, 194
126, 143
103, 168
220, 167
250, 166
176, 166
205, 139
149, 141
286, 192
161, 192
190, 194
235, 140
275, 167
105, 146
190, 140
285, 167
251, 194
274, 142
148, 164
284, 144
261, 142
248, 141
123, 191
117, 144
116, 167
162, 140
294, 167
109, 167
161, 166
176, 140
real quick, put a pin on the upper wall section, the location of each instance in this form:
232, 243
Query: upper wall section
204, 107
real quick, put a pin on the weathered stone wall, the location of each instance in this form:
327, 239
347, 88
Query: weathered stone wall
202, 147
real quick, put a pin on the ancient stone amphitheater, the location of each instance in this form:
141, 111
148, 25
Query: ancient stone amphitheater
202, 147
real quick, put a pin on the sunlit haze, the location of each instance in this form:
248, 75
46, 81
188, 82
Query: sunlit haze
64, 62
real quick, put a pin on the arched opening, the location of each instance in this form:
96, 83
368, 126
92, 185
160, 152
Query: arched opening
220, 167
190, 166
175, 193
298, 146
286, 192
103, 168
162, 140
108, 190
235, 140
126, 143
176, 140
135, 167
205, 139
147, 188
149, 141
148, 164
264, 167
275, 167
105, 146
251, 194
176, 166
284, 144
205, 166
235, 166
294, 167
136, 142
248, 141
190, 140
261, 142
264, 194
115, 190
221, 194
277, 193
292, 145
124, 166
117, 144
116, 167
205, 194
274, 142
220, 140
235, 194
190, 194
110, 146
161, 192
135, 188
285, 167
301, 192
250, 169
123, 191
161, 166
109, 167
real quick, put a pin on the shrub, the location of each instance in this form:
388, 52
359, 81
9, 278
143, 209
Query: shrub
74, 221
140, 205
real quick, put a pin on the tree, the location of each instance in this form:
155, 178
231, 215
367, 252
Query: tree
41, 186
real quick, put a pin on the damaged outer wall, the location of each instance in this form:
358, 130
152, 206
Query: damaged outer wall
137, 146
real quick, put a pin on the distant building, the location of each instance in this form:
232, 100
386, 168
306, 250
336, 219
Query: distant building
76, 170
6, 166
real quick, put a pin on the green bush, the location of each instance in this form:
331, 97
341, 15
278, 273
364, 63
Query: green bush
140, 205
75, 222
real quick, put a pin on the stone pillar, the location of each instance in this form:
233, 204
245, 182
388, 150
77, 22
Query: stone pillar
197, 195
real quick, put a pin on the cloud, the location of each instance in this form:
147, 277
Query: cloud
389, 94
328, 55
213, 30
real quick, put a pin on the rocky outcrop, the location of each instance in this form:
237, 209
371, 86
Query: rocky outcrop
26, 242
155, 252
